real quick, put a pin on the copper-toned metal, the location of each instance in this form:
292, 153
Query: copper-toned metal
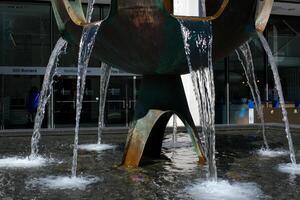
263, 11
138, 137
142, 37
168, 4
159, 98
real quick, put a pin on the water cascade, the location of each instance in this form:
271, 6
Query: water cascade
175, 127
202, 8
280, 93
245, 57
85, 51
203, 83
89, 11
104, 81
45, 94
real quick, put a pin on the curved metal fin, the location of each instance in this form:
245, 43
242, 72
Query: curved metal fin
263, 12
140, 132
66, 11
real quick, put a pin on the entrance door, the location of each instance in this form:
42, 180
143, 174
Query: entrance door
120, 101
119, 108
65, 102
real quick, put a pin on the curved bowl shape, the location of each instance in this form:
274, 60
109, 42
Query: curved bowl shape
142, 37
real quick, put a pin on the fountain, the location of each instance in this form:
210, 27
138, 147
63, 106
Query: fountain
34, 159
123, 42
292, 167
152, 115
245, 56
99, 146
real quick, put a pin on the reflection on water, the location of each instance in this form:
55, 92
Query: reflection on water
167, 178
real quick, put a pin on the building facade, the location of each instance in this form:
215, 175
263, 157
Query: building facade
28, 33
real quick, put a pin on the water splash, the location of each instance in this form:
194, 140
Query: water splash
45, 94
27, 162
280, 94
89, 11
203, 82
221, 189
104, 81
85, 50
96, 147
63, 182
272, 153
245, 57
289, 168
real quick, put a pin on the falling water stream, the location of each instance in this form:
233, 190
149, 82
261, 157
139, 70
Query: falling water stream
105, 76
45, 93
104, 80
202, 8
186, 38
174, 133
203, 83
89, 11
280, 94
245, 57
85, 50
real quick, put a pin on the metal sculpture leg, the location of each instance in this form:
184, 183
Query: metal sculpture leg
159, 98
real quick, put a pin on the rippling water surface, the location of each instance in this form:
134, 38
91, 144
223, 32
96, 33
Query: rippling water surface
175, 176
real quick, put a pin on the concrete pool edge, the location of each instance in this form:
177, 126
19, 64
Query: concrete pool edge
220, 129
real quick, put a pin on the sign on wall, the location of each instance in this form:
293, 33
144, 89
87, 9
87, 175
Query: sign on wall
63, 71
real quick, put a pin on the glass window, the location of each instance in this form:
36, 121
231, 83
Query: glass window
25, 34
220, 86
104, 11
284, 39
25, 42
239, 91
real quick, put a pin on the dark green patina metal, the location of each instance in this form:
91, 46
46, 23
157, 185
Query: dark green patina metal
140, 36
159, 98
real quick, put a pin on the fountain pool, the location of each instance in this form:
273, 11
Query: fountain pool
240, 169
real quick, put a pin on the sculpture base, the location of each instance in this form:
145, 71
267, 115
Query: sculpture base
159, 98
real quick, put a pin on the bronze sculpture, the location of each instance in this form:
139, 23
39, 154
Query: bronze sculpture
143, 37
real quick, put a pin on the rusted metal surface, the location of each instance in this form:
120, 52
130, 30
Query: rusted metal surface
138, 137
140, 133
159, 98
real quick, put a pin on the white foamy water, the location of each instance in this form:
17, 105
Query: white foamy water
272, 153
24, 162
289, 168
96, 147
63, 182
221, 189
